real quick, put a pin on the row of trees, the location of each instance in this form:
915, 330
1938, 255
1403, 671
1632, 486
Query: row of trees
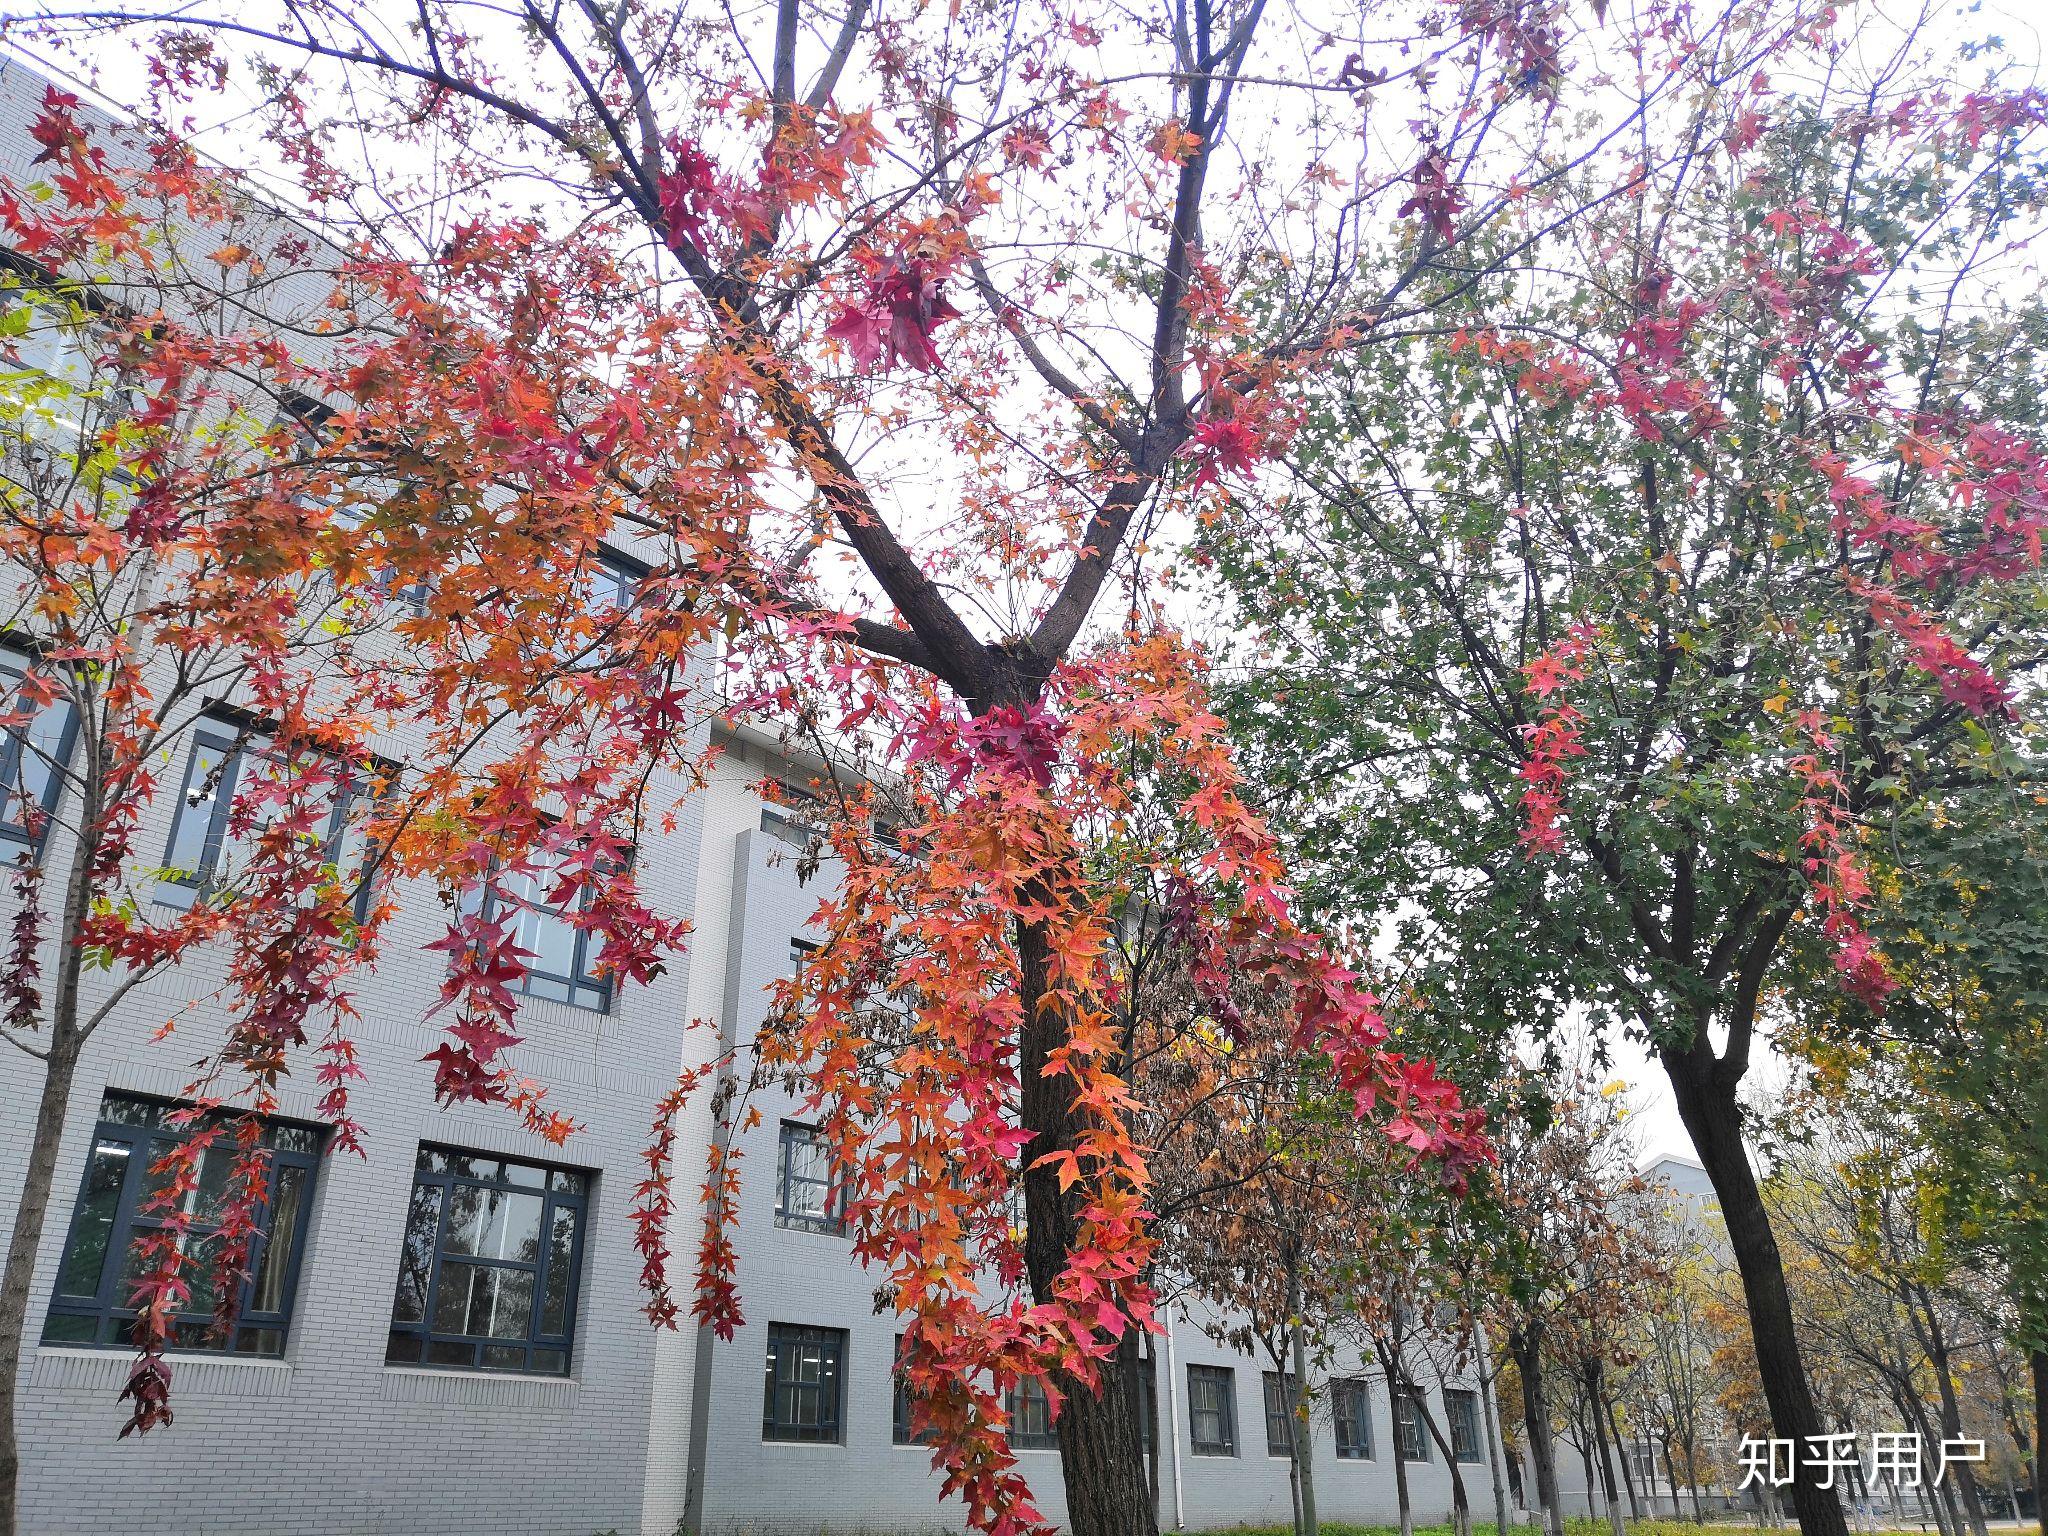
1648, 515
1649, 644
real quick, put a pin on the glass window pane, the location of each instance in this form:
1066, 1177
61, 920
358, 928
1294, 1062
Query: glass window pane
454, 1298
484, 1301
288, 1189
504, 1357
92, 1229
33, 758
416, 1258
511, 1314
554, 1312
403, 1348
119, 1109
451, 1352
204, 784
70, 1328
135, 1136
554, 1362
494, 1224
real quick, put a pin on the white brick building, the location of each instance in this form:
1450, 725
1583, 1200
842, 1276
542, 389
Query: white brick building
349, 1407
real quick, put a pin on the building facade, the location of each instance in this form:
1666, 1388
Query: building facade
445, 1335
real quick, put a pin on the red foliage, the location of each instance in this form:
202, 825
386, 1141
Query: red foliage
893, 321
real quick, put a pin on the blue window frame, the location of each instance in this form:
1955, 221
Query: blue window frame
488, 1274
1352, 1401
807, 1196
563, 957
901, 1397
1461, 1408
1212, 1410
611, 582
1280, 1420
1411, 1439
1030, 1410
803, 1389
33, 754
205, 853
103, 1261
58, 368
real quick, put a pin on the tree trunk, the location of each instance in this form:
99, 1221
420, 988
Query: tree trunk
1390, 1365
1704, 1089
29, 1216
1671, 1476
1101, 1460
1489, 1377
1300, 1445
1628, 1475
2038, 1359
1526, 1345
1692, 1482
1594, 1399
1461, 1502
2018, 1433
1927, 1323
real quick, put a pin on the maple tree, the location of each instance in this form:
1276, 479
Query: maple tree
324, 608
933, 320
1621, 611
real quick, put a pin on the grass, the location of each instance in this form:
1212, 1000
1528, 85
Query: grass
1577, 1527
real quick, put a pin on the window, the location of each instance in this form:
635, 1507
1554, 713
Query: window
610, 582
206, 852
1212, 1410
54, 368
32, 754
900, 1391
1644, 1455
564, 957
381, 582
1030, 1411
1352, 1401
1411, 1440
1461, 1408
488, 1274
804, 1389
806, 1196
91, 1301
1280, 1419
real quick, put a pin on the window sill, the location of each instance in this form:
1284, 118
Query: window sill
457, 1373
436, 1384
788, 1226
814, 1445
194, 1373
